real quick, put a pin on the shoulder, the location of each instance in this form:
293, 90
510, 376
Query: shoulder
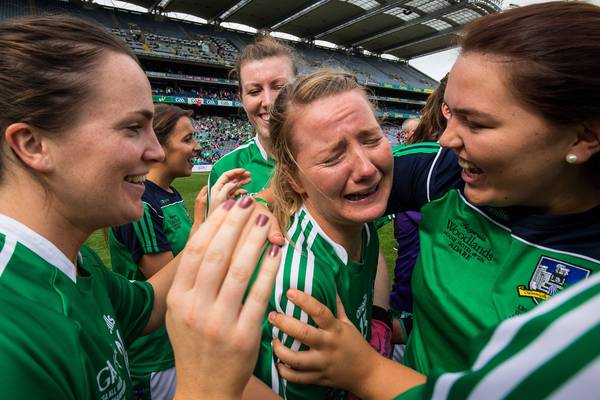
236, 157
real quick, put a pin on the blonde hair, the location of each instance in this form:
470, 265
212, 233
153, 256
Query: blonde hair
304, 91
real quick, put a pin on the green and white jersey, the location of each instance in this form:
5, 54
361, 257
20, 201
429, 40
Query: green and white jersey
164, 227
64, 329
252, 157
314, 263
479, 265
551, 352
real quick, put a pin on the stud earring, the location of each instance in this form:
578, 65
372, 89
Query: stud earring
571, 158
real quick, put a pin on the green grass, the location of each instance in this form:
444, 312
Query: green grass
189, 187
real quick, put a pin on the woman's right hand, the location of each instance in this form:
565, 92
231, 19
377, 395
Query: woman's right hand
228, 186
215, 336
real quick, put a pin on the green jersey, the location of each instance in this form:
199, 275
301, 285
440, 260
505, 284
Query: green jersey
65, 329
252, 157
314, 263
164, 227
549, 352
479, 265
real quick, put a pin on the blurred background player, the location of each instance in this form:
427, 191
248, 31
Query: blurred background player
140, 249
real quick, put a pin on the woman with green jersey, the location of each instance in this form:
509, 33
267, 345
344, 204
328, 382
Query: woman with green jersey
510, 206
76, 142
331, 179
263, 68
140, 249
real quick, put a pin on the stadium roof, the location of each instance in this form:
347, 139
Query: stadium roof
404, 28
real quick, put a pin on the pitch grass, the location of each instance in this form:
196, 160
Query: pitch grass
189, 187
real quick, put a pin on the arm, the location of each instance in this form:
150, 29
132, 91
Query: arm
150, 264
337, 342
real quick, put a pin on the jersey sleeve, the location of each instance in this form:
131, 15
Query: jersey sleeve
145, 236
131, 300
423, 172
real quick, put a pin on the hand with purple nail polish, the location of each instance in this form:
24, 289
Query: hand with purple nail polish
215, 336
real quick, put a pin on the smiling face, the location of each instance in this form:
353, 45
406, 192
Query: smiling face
181, 149
344, 161
261, 81
509, 154
100, 162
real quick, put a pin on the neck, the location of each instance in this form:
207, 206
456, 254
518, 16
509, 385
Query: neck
161, 177
575, 195
346, 234
34, 208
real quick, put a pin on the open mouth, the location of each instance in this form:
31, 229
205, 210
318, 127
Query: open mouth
469, 168
264, 117
358, 196
135, 179
191, 160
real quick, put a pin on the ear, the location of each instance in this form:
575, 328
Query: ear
588, 142
292, 181
29, 146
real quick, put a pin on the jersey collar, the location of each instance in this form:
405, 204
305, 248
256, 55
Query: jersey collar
38, 244
261, 149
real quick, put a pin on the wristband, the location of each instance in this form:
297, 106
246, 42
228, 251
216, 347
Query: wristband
383, 315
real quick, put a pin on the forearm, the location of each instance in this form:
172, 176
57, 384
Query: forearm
381, 296
386, 379
161, 282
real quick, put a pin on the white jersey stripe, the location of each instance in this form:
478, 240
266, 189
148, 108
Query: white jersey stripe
504, 334
274, 376
308, 279
278, 292
7, 252
294, 272
560, 334
583, 385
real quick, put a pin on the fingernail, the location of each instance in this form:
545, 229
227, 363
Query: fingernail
274, 250
228, 204
291, 294
271, 316
262, 220
245, 202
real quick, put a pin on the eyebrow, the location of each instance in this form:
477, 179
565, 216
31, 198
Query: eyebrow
145, 113
469, 112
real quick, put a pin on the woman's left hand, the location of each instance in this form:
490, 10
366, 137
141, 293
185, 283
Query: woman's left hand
215, 337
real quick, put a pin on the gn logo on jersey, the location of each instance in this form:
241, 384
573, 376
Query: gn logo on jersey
550, 277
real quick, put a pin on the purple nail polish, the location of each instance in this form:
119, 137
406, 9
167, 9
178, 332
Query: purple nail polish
274, 250
228, 204
262, 220
245, 202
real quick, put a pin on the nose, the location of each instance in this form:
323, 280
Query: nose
154, 152
268, 97
362, 165
450, 137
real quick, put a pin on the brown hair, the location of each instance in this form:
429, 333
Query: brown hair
47, 69
166, 117
305, 90
264, 47
433, 122
552, 52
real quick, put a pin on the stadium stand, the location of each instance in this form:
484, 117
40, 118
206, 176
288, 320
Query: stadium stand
188, 64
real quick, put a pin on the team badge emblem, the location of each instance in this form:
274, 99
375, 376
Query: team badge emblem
550, 277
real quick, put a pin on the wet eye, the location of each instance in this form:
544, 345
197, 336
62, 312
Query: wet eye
332, 160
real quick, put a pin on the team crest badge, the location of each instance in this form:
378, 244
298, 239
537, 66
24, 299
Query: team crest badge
550, 277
